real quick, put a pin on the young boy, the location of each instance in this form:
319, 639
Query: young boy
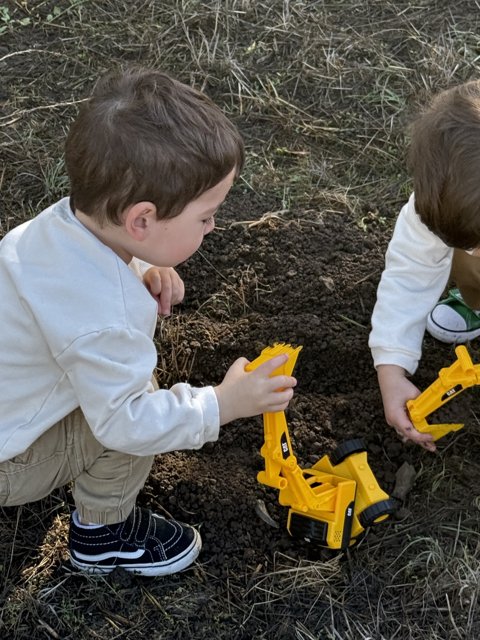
150, 161
437, 236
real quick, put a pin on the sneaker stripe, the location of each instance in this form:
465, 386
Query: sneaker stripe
124, 555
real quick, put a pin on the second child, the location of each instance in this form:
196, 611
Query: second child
436, 238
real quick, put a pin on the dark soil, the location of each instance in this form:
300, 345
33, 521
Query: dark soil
307, 280
304, 281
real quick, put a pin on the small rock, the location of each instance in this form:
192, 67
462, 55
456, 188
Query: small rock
402, 513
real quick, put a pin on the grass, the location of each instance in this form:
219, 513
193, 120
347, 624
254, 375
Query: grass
322, 92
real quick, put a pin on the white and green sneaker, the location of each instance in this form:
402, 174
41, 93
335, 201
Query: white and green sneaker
453, 321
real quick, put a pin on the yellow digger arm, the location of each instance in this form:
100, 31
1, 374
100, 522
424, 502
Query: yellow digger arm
451, 381
277, 449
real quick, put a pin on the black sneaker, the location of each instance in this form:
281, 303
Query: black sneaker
145, 543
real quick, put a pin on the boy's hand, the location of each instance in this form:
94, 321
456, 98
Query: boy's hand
166, 287
242, 394
396, 389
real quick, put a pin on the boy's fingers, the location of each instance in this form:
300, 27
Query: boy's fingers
155, 282
410, 433
163, 307
413, 434
167, 289
278, 383
270, 365
281, 398
277, 408
178, 292
161, 290
241, 362
165, 296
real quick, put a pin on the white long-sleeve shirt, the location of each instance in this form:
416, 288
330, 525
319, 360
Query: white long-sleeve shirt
76, 330
417, 269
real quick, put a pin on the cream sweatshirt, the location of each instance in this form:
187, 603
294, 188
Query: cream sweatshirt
76, 330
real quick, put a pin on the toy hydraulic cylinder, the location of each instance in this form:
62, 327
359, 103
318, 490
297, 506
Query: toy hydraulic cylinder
277, 450
451, 381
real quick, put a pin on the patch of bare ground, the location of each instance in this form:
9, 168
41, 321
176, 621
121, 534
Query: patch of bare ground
322, 92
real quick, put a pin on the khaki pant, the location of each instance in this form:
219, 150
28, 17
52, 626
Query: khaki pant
466, 275
106, 483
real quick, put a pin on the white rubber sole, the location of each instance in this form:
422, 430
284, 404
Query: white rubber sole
450, 337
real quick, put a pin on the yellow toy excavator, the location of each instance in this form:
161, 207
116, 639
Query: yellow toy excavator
331, 503
451, 381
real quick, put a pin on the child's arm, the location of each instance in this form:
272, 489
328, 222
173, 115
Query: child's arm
110, 374
396, 390
417, 268
243, 394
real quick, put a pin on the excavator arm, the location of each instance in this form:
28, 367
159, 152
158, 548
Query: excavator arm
330, 504
451, 381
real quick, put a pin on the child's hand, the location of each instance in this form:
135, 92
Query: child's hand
166, 287
242, 394
396, 389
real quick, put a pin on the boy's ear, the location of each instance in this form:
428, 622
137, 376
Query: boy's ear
138, 219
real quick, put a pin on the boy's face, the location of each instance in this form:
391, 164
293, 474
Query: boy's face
172, 241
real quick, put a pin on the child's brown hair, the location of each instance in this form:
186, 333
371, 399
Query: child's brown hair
444, 159
146, 136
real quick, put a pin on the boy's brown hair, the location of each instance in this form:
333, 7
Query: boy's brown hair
444, 159
144, 136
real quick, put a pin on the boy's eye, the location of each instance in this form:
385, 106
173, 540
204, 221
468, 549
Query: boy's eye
208, 220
